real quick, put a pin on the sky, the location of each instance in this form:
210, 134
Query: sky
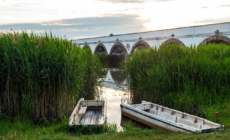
76, 19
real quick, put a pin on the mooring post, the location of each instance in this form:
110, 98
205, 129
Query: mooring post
217, 117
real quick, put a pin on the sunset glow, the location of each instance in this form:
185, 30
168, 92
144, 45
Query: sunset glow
151, 15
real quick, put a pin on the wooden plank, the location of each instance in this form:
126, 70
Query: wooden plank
91, 117
82, 110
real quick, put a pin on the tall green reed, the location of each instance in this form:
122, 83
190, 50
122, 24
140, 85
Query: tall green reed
42, 76
183, 78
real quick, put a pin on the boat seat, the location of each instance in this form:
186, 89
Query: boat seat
153, 111
82, 110
191, 124
172, 118
167, 116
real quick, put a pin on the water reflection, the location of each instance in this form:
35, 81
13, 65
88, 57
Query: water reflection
117, 76
115, 80
114, 90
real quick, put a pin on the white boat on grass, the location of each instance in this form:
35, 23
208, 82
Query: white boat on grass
157, 116
88, 113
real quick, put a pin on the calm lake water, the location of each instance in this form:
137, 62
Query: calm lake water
114, 89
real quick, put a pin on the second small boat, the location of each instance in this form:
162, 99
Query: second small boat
88, 113
157, 116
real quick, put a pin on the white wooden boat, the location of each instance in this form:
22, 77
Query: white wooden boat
157, 116
89, 113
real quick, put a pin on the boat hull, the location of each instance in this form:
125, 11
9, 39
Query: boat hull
168, 119
152, 120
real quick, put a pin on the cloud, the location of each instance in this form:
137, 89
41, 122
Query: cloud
125, 1
213, 20
225, 6
79, 27
133, 1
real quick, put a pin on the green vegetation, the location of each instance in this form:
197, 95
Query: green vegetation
103, 59
42, 77
188, 79
19, 130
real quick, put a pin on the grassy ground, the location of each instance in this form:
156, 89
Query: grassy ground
25, 130
59, 130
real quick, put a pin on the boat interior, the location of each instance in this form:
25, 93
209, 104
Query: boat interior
176, 116
91, 116
88, 112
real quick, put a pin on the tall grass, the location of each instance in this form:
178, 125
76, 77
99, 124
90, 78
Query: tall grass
182, 78
54, 131
93, 70
42, 76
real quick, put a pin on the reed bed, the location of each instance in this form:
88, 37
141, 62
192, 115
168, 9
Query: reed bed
182, 78
42, 76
